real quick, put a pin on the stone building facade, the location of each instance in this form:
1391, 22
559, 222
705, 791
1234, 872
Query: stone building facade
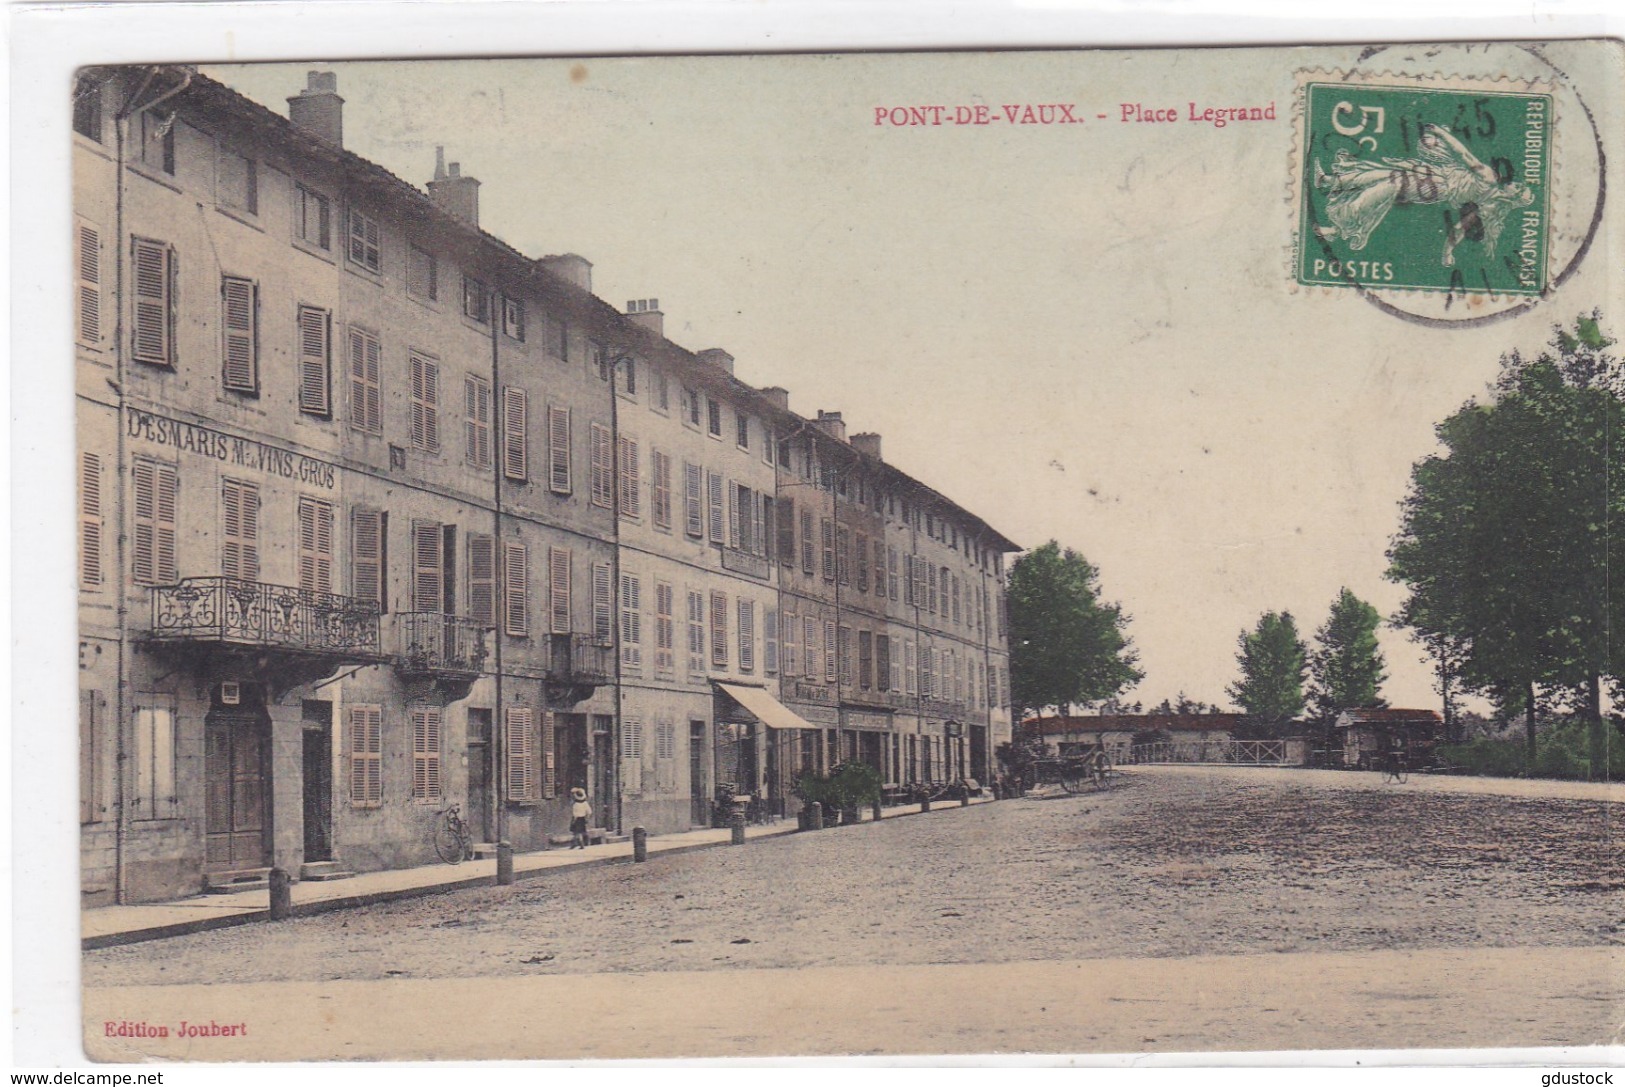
378, 515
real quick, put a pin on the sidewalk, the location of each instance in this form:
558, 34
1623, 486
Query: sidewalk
108, 926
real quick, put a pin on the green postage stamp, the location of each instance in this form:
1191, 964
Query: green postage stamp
1415, 187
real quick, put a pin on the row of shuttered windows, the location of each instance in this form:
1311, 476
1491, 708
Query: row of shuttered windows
703, 612
531, 769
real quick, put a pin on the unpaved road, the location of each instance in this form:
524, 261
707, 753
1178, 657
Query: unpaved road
1285, 909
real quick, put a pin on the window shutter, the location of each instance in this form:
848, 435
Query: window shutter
428, 591
367, 555
425, 403
694, 518
516, 589
714, 498
631, 502
558, 588
747, 635
90, 520
366, 396
734, 498
631, 622
366, 756
831, 663
315, 545
515, 424
558, 449
665, 633
482, 580
758, 532
550, 776
315, 333
806, 541
660, 488
719, 630
520, 736
151, 322
239, 299
477, 420
828, 528
880, 568
240, 510
882, 662
88, 265
770, 638
602, 629
809, 646
787, 532
602, 457
153, 554
426, 748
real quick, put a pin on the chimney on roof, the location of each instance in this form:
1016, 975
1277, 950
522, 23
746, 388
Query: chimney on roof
716, 356
831, 423
868, 445
646, 312
454, 194
779, 397
571, 269
318, 109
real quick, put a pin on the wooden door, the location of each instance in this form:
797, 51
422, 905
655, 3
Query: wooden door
235, 792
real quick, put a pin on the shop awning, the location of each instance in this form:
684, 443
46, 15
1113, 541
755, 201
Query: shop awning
767, 709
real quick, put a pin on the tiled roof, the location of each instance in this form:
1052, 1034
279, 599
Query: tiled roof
1136, 722
1389, 716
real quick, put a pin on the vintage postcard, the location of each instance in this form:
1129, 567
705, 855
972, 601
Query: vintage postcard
1065, 552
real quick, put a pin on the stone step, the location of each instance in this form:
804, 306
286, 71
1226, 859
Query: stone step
483, 850
323, 871
236, 882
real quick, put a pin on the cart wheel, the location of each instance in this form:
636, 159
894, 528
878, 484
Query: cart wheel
1072, 781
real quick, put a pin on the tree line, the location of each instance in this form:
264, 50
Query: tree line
1507, 539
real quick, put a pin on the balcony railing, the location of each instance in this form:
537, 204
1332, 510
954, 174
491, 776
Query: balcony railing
579, 658
430, 642
744, 562
252, 613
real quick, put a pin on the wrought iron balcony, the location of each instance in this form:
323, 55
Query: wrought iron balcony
581, 660
431, 643
231, 611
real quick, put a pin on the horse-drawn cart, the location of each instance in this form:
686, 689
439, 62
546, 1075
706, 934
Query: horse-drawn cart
1074, 771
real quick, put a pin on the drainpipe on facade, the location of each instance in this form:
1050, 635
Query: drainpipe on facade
499, 730
615, 580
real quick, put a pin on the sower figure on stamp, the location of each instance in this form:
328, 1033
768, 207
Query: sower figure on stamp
1361, 193
580, 812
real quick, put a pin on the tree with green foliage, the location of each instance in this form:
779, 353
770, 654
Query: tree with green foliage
1067, 646
1346, 669
1272, 659
1508, 537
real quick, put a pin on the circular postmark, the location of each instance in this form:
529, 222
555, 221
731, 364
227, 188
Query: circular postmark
1450, 186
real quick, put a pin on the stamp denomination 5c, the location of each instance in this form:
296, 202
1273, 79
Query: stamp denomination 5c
1423, 188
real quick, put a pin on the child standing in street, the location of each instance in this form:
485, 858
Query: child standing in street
580, 812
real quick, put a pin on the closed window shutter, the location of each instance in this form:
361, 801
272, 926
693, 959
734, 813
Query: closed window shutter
809, 646
550, 773
831, 663
426, 746
558, 588
516, 589
806, 541
90, 520
602, 630
482, 580
425, 403
880, 569
734, 499
602, 455
366, 396
152, 322
477, 420
631, 622
367, 555
88, 266
520, 736
515, 425
156, 487
719, 630
315, 546
787, 532
693, 515
882, 662
239, 300
714, 498
240, 510
558, 450
788, 662
770, 638
747, 636
660, 488
828, 528
664, 628
631, 502
315, 333
428, 590
366, 756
